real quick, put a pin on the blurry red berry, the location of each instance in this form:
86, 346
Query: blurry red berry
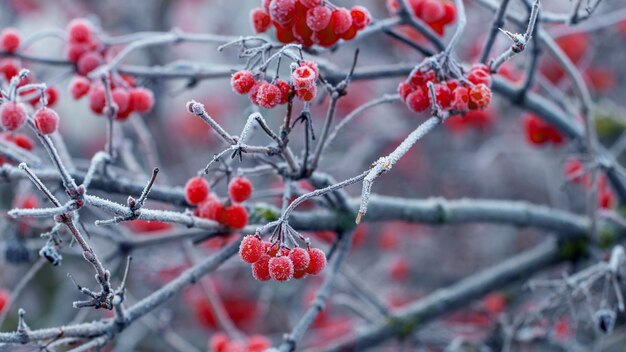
5, 297
240, 189
96, 97
418, 101
12, 115
141, 100
318, 18
88, 62
218, 342
432, 10
261, 20
196, 190
79, 30
361, 17
258, 343
10, 40
235, 216
283, 11
23, 141
9, 68
46, 120
341, 20
404, 89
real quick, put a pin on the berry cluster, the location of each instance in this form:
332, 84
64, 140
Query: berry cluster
269, 95
209, 206
221, 343
575, 173
271, 261
309, 22
471, 93
539, 132
87, 52
13, 115
436, 13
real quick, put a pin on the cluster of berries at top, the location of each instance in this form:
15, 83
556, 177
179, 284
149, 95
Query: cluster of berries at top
437, 14
209, 206
278, 262
310, 22
88, 52
470, 92
268, 95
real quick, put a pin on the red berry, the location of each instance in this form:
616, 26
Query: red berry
218, 342
242, 82
420, 78
79, 30
301, 32
141, 100
575, 172
539, 132
479, 74
318, 18
196, 190
317, 261
235, 216
251, 249
121, 97
253, 92
404, 89
606, 199
452, 84
460, 99
261, 20
76, 50
266, 5
300, 258
303, 77
52, 95
10, 68
284, 34
341, 20
418, 101
299, 274
240, 189
268, 95
285, 88
5, 297
449, 12
96, 97
432, 10
307, 94
88, 62
442, 95
261, 268
12, 115
10, 39
480, 97
46, 120
313, 66
326, 38
22, 141
361, 17
283, 11
258, 343
281, 268
211, 208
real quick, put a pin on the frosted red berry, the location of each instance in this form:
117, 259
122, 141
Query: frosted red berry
361, 17
282, 11
121, 98
418, 101
281, 268
307, 94
5, 297
196, 190
442, 95
88, 62
479, 74
23, 141
303, 77
432, 10
218, 342
10, 40
268, 95
300, 259
251, 249
318, 18
240, 189
9, 68
404, 89
242, 82
235, 216
341, 20
285, 88
261, 268
261, 20
141, 100
311, 3
313, 66
317, 261
460, 99
479, 97
46, 120
211, 208
12, 115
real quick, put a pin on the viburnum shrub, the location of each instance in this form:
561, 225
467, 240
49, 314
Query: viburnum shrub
368, 165
310, 22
